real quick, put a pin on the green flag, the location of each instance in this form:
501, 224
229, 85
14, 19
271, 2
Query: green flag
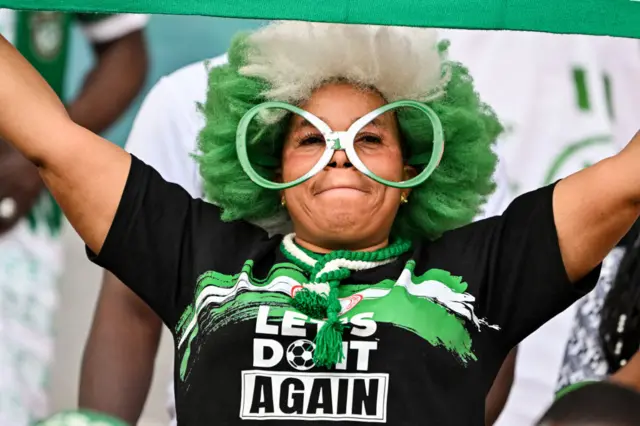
596, 17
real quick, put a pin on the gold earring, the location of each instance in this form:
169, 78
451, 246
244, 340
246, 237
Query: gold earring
283, 201
403, 199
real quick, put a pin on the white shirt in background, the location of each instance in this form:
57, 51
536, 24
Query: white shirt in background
568, 101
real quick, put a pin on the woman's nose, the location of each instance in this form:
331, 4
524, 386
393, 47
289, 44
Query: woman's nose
340, 160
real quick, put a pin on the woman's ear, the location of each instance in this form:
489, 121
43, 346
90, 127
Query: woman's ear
409, 172
277, 175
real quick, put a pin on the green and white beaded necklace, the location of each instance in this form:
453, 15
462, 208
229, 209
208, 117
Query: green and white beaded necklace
319, 297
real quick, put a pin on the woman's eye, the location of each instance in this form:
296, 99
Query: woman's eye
373, 139
312, 140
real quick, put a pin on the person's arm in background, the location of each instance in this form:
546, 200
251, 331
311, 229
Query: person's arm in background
120, 353
119, 357
499, 393
114, 81
20, 186
119, 72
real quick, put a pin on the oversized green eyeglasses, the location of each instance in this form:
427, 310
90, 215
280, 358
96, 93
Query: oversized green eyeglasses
348, 141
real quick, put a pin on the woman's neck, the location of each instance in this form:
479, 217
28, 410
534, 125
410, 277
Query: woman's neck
327, 248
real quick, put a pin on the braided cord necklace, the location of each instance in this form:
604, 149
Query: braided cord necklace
318, 298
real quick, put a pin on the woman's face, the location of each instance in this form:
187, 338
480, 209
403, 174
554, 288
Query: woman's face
340, 207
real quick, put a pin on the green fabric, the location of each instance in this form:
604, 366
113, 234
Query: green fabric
43, 40
598, 17
81, 418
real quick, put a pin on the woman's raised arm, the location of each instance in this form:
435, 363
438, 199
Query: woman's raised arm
85, 173
595, 207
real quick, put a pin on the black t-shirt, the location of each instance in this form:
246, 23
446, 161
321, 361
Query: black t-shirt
426, 337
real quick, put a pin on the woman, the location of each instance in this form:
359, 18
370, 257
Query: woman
374, 310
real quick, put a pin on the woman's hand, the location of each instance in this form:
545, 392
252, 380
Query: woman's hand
20, 186
594, 208
85, 173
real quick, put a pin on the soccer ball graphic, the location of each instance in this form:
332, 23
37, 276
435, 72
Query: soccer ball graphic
300, 354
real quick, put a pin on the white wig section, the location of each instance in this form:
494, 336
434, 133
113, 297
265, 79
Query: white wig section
295, 58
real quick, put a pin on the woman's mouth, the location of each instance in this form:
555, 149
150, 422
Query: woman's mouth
341, 190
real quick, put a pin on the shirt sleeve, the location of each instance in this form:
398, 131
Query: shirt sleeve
164, 135
519, 277
104, 28
159, 235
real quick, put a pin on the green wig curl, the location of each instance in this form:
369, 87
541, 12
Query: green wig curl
451, 197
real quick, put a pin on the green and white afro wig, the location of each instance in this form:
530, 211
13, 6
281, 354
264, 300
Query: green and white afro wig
287, 61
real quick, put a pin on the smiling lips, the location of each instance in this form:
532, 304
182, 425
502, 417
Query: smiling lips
337, 181
339, 188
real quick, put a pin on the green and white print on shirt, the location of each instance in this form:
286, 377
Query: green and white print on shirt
433, 306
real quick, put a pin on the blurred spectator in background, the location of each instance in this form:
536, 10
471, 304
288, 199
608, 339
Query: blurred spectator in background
567, 101
594, 404
30, 250
605, 338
